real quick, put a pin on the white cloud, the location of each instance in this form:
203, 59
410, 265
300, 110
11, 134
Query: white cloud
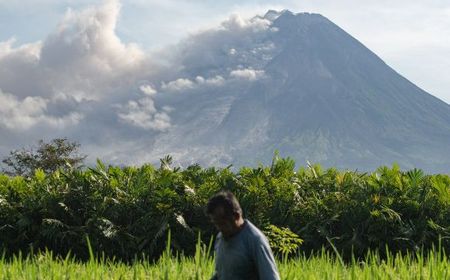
183, 84
86, 52
143, 114
20, 115
30, 51
235, 41
147, 89
214, 81
247, 74
89, 37
67, 84
237, 24
19, 69
178, 85
83, 56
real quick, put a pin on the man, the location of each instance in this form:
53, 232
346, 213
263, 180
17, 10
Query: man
242, 250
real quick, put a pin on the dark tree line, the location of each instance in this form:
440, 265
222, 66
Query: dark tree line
59, 153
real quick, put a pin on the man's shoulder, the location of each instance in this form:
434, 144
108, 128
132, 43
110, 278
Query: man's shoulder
254, 232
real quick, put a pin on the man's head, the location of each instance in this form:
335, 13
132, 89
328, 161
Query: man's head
225, 213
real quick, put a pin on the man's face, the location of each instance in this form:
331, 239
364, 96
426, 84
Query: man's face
225, 224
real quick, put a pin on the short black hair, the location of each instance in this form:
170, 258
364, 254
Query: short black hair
225, 199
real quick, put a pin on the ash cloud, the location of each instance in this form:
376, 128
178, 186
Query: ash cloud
116, 99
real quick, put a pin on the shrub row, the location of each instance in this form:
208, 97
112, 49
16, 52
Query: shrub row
127, 211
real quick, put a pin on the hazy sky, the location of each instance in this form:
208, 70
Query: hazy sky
411, 36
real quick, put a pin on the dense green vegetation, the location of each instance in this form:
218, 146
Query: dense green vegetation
127, 212
318, 267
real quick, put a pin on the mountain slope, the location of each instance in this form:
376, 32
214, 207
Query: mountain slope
324, 97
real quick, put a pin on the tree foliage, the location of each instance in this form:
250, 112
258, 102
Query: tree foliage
47, 156
128, 211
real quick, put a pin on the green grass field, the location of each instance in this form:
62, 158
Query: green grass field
320, 266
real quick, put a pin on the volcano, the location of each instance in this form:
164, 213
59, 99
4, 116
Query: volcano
315, 94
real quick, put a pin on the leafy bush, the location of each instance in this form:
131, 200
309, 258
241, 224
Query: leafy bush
127, 212
282, 240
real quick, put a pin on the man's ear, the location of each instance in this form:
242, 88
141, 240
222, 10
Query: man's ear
236, 215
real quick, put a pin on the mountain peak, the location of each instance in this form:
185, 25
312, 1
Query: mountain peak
273, 14
286, 17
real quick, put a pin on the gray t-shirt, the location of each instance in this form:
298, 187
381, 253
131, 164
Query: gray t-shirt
247, 255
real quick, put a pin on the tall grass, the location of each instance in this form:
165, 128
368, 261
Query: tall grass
323, 265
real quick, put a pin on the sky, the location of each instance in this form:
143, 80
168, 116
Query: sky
96, 71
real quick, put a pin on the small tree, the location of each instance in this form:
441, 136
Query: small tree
47, 156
